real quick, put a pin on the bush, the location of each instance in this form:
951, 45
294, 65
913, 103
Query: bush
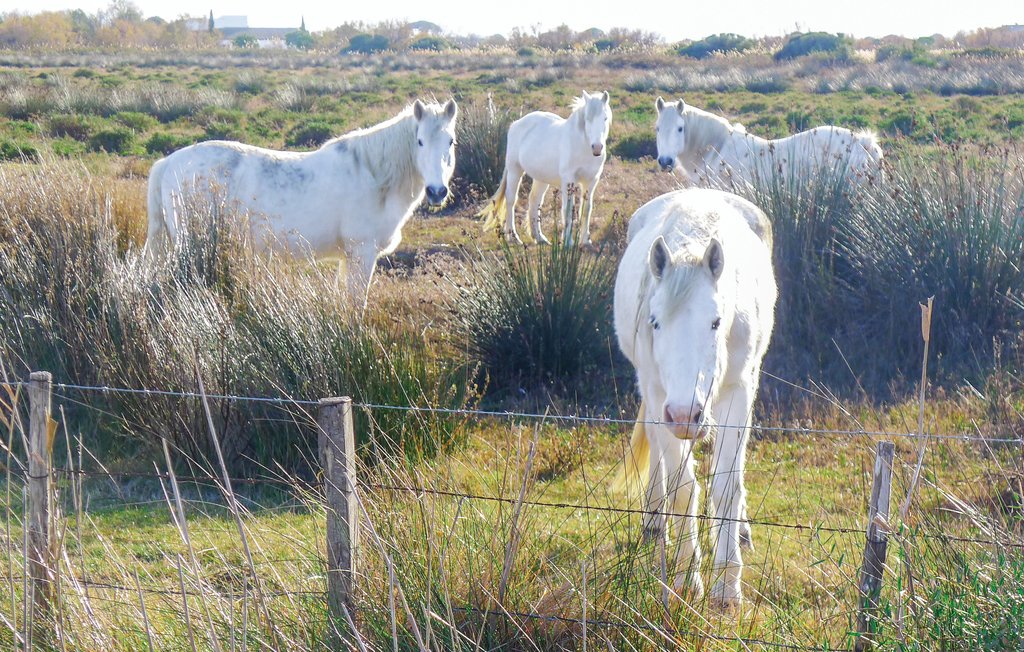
78, 127
251, 325
635, 146
245, 41
800, 45
717, 43
113, 140
537, 317
480, 156
67, 148
11, 150
164, 143
432, 43
367, 44
135, 120
299, 39
852, 265
310, 134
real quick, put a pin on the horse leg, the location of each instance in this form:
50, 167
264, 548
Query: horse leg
653, 520
587, 194
566, 215
515, 176
360, 267
537, 192
728, 494
684, 490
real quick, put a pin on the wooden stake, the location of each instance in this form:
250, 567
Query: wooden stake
870, 587
41, 515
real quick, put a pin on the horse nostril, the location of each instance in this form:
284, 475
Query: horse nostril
697, 415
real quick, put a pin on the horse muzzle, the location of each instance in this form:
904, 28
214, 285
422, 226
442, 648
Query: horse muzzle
685, 424
598, 149
666, 163
436, 195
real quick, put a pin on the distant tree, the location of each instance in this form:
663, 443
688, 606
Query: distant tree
800, 45
302, 26
245, 41
299, 39
367, 44
717, 43
434, 43
210, 23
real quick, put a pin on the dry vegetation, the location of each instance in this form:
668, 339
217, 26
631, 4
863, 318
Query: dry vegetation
74, 299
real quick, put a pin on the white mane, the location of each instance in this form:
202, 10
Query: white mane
706, 131
388, 149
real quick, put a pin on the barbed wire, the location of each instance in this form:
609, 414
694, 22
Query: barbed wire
535, 416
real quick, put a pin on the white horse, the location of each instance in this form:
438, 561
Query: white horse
708, 147
554, 150
694, 309
352, 196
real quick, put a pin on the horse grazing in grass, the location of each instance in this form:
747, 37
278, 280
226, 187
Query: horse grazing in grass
694, 309
708, 147
352, 196
554, 150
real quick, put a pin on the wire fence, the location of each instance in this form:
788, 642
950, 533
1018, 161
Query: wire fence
999, 437
314, 485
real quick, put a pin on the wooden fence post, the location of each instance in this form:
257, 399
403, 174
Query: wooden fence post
337, 445
870, 586
41, 515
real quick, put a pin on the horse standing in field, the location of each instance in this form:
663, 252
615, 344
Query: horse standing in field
554, 150
694, 310
707, 146
352, 196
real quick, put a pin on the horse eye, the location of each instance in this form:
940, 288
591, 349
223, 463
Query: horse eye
421, 142
715, 324
653, 322
680, 130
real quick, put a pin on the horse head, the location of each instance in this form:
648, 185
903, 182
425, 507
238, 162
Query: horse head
435, 147
671, 132
689, 321
597, 120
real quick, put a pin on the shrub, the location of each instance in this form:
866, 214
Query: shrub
250, 83
135, 120
67, 148
537, 317
800, 45
245, 41
164, 143
717, 43
635, 146
79, 127
113, 140
433, 43
251, 325
480, 156
852, 265
367, 44
299, 39
11, 150
312, 133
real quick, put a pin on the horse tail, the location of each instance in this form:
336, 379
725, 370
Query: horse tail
492, 212
157, 233
632, 474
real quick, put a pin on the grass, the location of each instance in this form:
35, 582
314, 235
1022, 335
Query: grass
74, 300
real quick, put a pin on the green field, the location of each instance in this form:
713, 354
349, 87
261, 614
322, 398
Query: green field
79, 132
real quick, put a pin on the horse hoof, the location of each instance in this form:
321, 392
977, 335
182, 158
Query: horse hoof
541, 239
588, 246
725, 598
513, 237
652, 533
688, 589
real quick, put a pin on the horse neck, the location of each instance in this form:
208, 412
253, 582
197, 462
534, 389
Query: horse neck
705, 132
388, 151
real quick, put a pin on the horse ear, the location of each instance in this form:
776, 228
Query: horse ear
659, 104
680, 106
605, 97
714, 259
451, 109
418, 109
658, 258
586, 95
